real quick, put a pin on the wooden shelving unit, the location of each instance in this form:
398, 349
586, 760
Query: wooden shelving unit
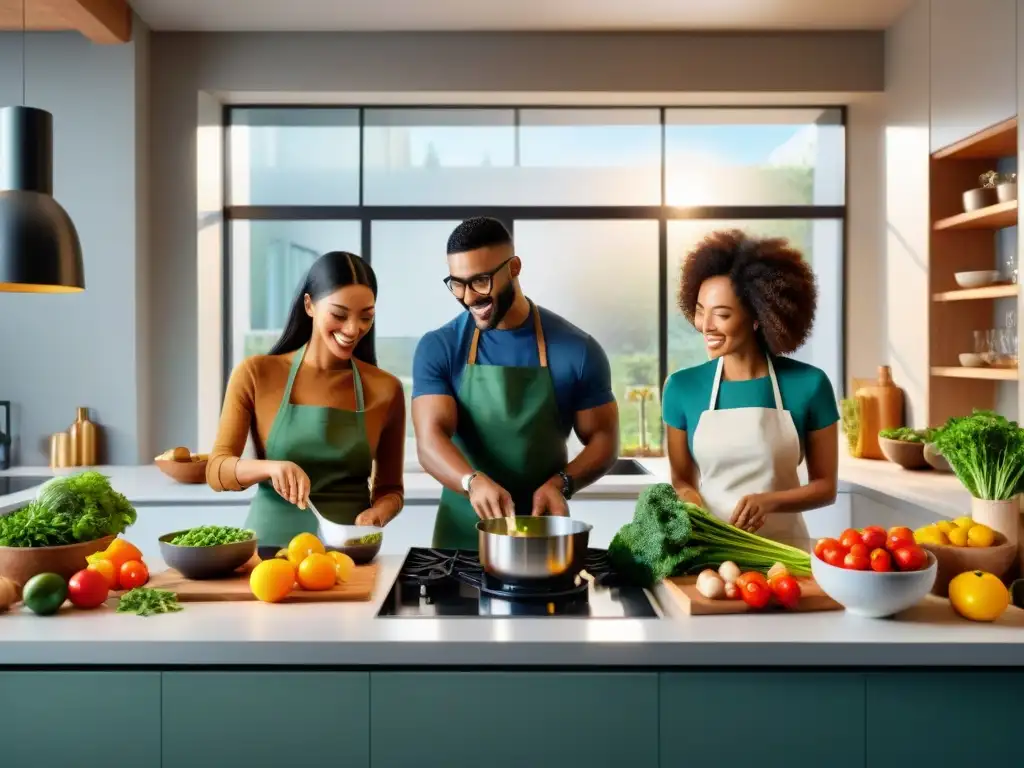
974, 294
990, 374
990, 217
962, 242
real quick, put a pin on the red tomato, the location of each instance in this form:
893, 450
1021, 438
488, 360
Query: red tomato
87, 589
898, 537
910, 558
856, 562
860, 550
850, 537
881, 560
819, 548
787, 591
749, 576
756, 594
873, 537
834, 555
133, 574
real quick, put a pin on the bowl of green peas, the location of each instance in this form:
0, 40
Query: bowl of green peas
208, 551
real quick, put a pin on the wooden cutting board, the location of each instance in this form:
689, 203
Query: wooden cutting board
683, 589
236, 587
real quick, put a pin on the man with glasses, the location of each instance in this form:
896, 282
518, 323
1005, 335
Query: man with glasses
497, 391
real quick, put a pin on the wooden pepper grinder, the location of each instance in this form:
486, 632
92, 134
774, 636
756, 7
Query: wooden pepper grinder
83, 440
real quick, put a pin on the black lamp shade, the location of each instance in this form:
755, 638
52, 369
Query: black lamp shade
39, 247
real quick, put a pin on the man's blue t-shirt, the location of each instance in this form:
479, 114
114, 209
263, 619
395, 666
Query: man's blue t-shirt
579, 367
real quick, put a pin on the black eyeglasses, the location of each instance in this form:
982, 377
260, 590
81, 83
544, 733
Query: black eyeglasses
482, 283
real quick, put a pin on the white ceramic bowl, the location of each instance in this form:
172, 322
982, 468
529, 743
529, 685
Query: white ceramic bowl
971, 360
976, 279
874, 595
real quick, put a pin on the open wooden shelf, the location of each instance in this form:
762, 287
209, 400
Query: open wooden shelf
988, 292
990, 217
999, 140
991, 374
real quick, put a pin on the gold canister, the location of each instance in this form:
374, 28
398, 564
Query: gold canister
83, 440
60, 450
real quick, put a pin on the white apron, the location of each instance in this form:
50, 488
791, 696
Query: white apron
741, 451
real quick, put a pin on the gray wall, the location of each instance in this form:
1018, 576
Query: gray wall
59, 352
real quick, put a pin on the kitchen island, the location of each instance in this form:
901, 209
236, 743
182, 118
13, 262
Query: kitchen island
184, 688
224, 684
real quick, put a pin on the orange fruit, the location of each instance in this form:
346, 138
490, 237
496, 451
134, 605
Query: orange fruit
343, 565
118, 552
316, 572
105, 568
272, 580
302, 545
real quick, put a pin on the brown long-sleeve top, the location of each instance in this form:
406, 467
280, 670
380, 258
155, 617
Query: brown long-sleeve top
254, 395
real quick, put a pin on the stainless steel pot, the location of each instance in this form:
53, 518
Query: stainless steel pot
542, 547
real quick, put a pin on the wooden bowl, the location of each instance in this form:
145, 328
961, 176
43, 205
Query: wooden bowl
997, 560
22, 563
190, 472
907, 455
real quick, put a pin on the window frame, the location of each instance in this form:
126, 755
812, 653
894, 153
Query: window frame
662, 213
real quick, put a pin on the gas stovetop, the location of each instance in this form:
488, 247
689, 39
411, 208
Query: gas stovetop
452, 583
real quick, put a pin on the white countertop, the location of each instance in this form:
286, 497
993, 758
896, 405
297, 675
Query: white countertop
349, 634
146, 485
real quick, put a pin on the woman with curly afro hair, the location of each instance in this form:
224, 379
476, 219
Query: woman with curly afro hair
740, 424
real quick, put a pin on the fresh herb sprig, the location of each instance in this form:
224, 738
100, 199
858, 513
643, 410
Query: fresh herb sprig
986, 452
145, 601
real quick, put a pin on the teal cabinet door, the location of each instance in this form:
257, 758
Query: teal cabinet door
106, 719
257, 719
767, 719
961, 718
514, 719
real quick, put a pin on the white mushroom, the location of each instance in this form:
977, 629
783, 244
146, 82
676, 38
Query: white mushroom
710, 585
729, 571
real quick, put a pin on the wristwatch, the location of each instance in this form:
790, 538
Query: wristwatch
467, 480
568, 485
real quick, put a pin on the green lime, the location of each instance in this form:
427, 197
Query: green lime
44, 593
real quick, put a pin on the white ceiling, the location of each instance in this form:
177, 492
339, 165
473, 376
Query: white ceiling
516, 15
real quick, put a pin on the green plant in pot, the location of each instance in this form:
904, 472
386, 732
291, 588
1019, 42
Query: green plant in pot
986, 453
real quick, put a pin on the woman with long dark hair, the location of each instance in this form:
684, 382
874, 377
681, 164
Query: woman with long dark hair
323, 417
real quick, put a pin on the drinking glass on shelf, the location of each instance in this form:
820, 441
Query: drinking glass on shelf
1007, 348
1010, 265
984, 345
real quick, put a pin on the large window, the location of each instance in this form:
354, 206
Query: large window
604, 204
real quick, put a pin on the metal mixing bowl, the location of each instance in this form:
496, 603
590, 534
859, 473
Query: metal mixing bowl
544, 547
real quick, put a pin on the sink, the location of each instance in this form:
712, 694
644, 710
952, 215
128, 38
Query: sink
627, 467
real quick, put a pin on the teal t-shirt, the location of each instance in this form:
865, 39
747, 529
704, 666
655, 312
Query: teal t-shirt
806, 393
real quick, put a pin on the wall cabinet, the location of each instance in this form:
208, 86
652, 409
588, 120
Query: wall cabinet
973, 67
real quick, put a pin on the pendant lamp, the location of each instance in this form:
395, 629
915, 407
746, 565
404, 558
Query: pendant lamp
39, 247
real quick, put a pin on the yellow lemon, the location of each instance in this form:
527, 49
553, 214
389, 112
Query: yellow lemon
281, 553
316, 572
963, 522
958, 537
978, 596
272, 580
343, 566
945, 525
303, 545
980, 536
927, 534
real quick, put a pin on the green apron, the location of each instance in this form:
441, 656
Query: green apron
508, 428
330, 446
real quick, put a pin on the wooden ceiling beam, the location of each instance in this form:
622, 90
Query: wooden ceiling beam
106, 22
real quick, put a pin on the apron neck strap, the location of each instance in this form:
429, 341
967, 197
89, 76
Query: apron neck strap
776, 393
300, 354
542, 345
